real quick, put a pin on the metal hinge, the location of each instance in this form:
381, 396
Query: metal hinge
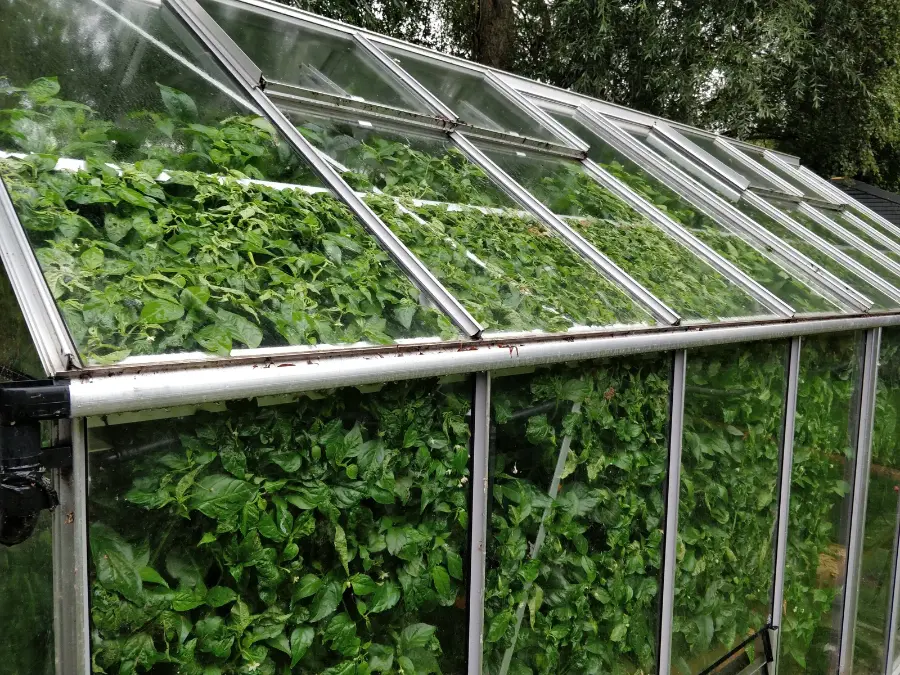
25, 490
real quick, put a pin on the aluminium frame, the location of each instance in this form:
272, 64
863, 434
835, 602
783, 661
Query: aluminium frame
863, 451
784, 492
724, 213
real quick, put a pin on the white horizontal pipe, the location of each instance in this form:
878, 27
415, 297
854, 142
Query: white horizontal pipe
116, 390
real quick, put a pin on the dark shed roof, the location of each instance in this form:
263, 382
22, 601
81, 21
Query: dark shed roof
885, 204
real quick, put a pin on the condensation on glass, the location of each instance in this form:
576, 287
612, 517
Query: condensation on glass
728, 243
26, 570
310, 57
818, 528
468, 93
733, 416
882, 517
295, 534
502, 264
172, 250
577, 467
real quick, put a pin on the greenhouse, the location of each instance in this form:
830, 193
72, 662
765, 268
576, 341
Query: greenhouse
327, 354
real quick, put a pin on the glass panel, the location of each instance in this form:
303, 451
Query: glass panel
667, 269
729, 476
26, 569
839, 242
827, 407
308, 56
303, 537
578, 462
756, 178
176, 251
784, 175
862, 215
468, 94
876, 578
860, 232
508, 270
730, 245
813, 252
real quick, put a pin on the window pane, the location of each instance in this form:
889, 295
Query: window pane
470, 96
860, 232
841, 243
827, 407
785, 175
572, 581
729, 475
728, 244
26, 569
813, 252
506, 268
664, 267
300, 537
756, 178
859, 213
312, 57
876, 579
176, 250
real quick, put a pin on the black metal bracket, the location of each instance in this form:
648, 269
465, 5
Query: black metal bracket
24, 488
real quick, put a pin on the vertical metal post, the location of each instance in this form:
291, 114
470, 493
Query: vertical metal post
670, 536
784, 491
859, 494
893, 617
478, 519
71, 623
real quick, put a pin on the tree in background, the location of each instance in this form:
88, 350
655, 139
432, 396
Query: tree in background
817, 78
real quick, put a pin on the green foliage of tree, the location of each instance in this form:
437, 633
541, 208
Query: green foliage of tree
324, 536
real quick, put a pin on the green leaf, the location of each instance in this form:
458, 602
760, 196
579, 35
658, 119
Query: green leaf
363, 584
219, 596
161, 311
618, 632
239, 328
92, 258
178, 104
385, 597
441, 581
326, 601
43, 88
214, 338
341, 633
114, 563
416, 635
219, 496
498, 626
340, 545
301, 639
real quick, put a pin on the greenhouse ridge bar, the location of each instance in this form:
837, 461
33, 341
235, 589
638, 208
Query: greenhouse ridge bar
350, 357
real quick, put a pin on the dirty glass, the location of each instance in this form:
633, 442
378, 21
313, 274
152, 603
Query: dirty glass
577, 463
323, 534
503, 265
26, 569
733, 416
135, 180
818, 528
